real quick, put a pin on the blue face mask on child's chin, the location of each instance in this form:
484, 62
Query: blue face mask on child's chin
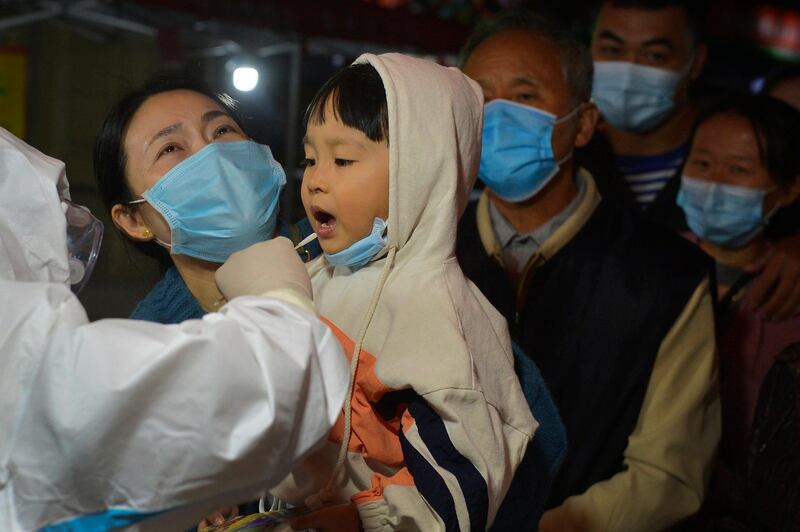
361, 252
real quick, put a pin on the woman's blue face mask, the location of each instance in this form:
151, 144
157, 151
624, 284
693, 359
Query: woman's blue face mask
724, 215
222, 199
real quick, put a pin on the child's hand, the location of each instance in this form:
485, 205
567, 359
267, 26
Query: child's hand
218, 517
336, 518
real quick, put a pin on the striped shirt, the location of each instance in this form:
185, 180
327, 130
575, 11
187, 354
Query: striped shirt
648, 175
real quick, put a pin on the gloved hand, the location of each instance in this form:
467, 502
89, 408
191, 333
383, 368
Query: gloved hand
264, 267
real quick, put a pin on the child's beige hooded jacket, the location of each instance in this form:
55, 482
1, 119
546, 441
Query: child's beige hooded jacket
439, 422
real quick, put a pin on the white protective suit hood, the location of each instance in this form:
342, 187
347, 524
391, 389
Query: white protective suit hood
33, 239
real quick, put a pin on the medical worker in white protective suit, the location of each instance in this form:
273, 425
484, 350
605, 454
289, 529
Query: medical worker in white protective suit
121, 423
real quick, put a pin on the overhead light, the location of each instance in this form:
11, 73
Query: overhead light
245, 78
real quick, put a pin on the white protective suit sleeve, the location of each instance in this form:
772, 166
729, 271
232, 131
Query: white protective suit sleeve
121, 419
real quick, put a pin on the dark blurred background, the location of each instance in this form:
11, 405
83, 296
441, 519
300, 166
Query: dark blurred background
63, 63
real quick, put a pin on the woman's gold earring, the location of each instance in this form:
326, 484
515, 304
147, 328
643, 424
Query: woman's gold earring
146, 233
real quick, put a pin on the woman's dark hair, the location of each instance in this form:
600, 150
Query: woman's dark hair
775, 124
358, 100
109, 155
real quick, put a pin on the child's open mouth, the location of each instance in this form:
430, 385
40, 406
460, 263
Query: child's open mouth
325, 222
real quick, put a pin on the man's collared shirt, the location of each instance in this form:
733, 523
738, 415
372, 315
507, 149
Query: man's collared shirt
519, 247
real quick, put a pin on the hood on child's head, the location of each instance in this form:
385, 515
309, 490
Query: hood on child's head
435, 120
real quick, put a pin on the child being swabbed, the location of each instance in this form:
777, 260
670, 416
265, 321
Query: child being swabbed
436, 423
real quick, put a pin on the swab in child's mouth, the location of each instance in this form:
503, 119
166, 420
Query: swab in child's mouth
310, 238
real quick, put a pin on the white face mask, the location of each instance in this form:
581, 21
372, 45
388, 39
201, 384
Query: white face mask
635, 97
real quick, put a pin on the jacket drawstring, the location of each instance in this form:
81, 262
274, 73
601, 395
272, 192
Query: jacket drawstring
335, 481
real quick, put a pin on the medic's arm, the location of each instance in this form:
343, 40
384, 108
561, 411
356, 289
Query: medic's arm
138, 417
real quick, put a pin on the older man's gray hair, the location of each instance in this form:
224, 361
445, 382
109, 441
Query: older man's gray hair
576, 60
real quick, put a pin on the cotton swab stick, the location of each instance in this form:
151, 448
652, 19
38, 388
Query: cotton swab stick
306, 240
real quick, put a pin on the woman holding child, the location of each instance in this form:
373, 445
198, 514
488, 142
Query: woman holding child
435, 423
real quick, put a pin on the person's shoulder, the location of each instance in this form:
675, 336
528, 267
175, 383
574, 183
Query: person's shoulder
168, 302
791, 357
597, 158
468, 219
468, 239
21, 296
652, 243
596, 154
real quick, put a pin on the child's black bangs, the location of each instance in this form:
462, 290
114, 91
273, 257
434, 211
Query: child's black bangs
358, 100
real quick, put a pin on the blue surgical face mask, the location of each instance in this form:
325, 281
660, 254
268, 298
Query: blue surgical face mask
635, 97
222, 199
517, 158
363, 251
725, 215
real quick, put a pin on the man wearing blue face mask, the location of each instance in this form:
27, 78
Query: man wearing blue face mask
646, 54
614, 311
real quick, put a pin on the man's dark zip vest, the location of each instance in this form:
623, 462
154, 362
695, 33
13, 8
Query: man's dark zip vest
593, 317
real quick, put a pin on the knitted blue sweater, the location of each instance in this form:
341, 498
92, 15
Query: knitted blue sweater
170, 301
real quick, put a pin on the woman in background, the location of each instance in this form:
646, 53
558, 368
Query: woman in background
743, 167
